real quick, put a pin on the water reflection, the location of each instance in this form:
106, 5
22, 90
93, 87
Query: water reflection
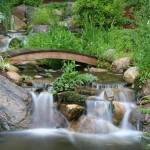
54, 139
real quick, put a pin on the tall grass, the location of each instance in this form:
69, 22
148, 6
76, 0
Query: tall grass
5, 8
56, 38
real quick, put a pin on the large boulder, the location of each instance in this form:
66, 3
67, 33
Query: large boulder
13, 69
15, 105
121, 64
118, 111
71, 111
15, 77
109, 94
19, 25
20, 12
131, 74
92, 125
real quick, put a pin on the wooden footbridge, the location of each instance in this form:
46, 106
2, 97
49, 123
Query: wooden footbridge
18, 56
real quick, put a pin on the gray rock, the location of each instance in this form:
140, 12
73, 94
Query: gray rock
109, 94
20, 11
15, 105
110, 53
122, 64
19, 25
92, 125
40, 29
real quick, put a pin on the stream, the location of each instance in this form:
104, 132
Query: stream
44, 134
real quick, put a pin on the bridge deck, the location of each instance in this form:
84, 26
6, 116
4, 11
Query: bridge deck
18, 56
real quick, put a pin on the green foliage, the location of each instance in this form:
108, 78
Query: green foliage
102, 12
87, 78
44, 16
98, 41
1, 17
5, 8
49, 72
71, 96
57, 38
27, 78
26, 2
142, 51
4, 64
54, 5
70, 78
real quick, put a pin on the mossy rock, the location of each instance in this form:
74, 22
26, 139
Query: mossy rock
71, 97
144, 100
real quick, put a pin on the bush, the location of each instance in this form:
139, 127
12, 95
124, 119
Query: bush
43, 16
102, 12
142, 51
71, 78
98, 41
56, 38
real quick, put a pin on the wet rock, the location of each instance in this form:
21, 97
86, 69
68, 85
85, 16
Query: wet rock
3, 40
135, 117
15, 105
70, 97
18, 24
109, 94
40, 29
59, 120
71, 111
92, 125
38, 76
121, 64
131, 74
15, 77
146, 89
118, 111
20, 12
92, 69
145, 118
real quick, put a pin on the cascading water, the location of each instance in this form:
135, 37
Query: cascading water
109, 136
7, 39
101, 107
43, 110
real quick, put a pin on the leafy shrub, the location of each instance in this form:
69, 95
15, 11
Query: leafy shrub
142, 51
41, 16
102, 12
57, 38
70, 78
98, 41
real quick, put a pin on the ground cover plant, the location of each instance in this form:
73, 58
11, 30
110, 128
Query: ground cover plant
71, 78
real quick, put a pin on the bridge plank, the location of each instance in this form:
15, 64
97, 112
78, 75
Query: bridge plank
29, 55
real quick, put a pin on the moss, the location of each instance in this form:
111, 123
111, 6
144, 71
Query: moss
70, 97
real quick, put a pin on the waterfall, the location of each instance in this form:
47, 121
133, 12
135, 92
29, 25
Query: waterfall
125, 121
43, 110
7, 39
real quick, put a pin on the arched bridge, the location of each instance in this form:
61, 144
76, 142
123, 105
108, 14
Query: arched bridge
18, 56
